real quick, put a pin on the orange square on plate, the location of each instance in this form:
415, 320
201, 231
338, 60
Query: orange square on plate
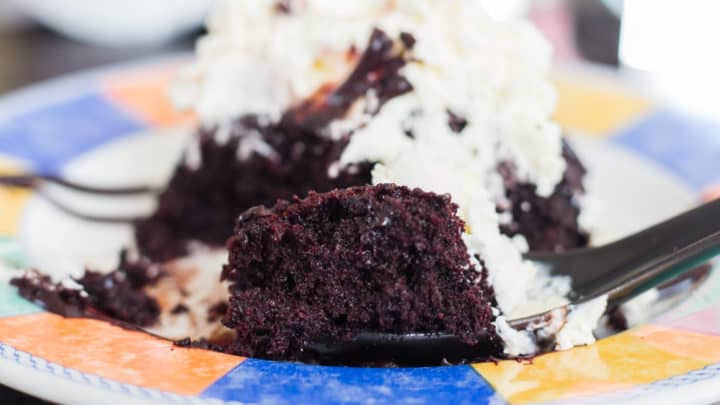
96, 347
145, 95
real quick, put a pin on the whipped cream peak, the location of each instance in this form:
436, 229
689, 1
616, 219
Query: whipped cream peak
259, 59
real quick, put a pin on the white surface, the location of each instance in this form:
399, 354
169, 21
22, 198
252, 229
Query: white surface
515, 342
630, 194
10, 17
680, 64
141, 159
118, 22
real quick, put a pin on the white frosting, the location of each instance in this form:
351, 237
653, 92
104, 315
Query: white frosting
192, 157
493, 74
582, 319
258, 60
544, 294
567, 326
515, 342
640, 309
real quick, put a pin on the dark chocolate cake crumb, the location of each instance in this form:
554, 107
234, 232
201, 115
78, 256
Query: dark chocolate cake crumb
378, 70
217, 311
548, 224
200, 344
616, 319
365, 259
408, 40
456, 122
179, 309
284, 7
117, 295
202, 203
54, 297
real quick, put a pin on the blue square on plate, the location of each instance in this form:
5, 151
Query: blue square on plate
50, 136
689, 147
262, 381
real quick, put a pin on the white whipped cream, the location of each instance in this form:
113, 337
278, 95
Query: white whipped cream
256, 59
566, 328
580, 323
515, 342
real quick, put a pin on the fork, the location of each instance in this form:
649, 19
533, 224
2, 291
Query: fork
42, 183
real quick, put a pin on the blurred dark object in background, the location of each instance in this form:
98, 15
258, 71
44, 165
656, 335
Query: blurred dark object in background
597, 31
11, 397
34, 54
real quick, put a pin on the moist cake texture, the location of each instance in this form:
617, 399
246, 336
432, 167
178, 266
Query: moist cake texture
546, 223
365, 259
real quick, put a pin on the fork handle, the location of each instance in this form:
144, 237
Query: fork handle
19, 181
639, 262
37, 180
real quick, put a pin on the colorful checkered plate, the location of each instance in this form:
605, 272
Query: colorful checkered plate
647, 162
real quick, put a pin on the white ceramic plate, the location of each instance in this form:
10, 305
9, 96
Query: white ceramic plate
100, 128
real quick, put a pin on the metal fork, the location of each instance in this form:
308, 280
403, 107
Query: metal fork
43, 183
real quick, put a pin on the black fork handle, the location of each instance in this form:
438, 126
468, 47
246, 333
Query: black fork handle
639, 262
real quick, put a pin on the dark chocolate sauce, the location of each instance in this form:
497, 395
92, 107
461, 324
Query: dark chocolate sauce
201, 344
377, 71
547, 223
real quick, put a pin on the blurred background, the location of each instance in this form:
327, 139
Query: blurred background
665, 48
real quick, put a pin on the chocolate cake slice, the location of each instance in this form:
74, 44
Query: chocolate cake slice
263, 161
550, 223
378, 258
202, 203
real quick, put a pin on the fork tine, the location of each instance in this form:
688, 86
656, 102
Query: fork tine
19, 181
119, 219
35, 181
